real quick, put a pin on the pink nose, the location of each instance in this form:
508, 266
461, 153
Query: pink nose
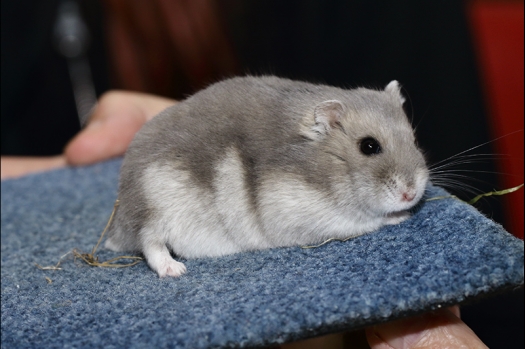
408, 196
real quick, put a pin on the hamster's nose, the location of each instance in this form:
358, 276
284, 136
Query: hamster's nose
409, 196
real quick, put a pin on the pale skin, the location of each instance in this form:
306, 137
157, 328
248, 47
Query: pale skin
115, 120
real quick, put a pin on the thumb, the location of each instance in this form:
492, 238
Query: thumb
115, 120
438, 329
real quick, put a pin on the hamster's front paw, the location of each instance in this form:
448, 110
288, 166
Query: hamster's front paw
159, 259
397, 217
171, 268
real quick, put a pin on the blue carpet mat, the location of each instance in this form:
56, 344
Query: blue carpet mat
447, 253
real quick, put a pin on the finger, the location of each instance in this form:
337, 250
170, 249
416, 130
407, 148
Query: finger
15, 166
455, 310
439, 329
107, 135
116, 119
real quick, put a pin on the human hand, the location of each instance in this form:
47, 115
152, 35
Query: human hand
115, 120
16, 166
112, 126
438, 329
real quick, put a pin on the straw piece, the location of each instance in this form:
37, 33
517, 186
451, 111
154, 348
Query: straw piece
499, 192
91, 259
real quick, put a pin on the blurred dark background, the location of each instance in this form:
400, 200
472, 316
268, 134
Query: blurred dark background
443, 53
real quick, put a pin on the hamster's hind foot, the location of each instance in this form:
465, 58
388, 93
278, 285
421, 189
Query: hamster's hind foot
160, 260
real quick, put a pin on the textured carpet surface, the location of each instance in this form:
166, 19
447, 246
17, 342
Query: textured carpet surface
446, 253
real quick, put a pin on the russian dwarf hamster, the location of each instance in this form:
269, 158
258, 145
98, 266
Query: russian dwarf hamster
259, 162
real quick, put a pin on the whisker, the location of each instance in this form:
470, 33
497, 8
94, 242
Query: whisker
475, 157
461, 169
444, 175
453, 175
411, 109
477, 146
450, 176
467, 159
453, 172
447, 182
475, 171
457, 186
456, 164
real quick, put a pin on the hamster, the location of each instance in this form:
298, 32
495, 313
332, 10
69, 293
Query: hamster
252, 163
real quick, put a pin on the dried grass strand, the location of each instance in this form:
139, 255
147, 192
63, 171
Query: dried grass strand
91, 259
325, 242
497, 192
478, 197
53, 267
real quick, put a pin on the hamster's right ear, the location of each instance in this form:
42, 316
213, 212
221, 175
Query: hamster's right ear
395, 90
327, 116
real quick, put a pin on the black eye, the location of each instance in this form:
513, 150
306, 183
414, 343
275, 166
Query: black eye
370, 146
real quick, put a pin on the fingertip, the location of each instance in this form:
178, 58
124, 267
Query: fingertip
85, 148
76, 152
437, 329
119, 115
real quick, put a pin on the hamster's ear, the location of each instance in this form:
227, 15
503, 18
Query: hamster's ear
395, 90
327, 116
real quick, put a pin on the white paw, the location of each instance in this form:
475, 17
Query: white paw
159, 259
169, 267
397, 217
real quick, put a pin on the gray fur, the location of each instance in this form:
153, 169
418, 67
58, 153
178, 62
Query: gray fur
259, 162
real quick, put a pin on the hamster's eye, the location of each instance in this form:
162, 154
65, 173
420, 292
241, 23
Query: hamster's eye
370, 146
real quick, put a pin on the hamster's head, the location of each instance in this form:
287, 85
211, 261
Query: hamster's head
375, 163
